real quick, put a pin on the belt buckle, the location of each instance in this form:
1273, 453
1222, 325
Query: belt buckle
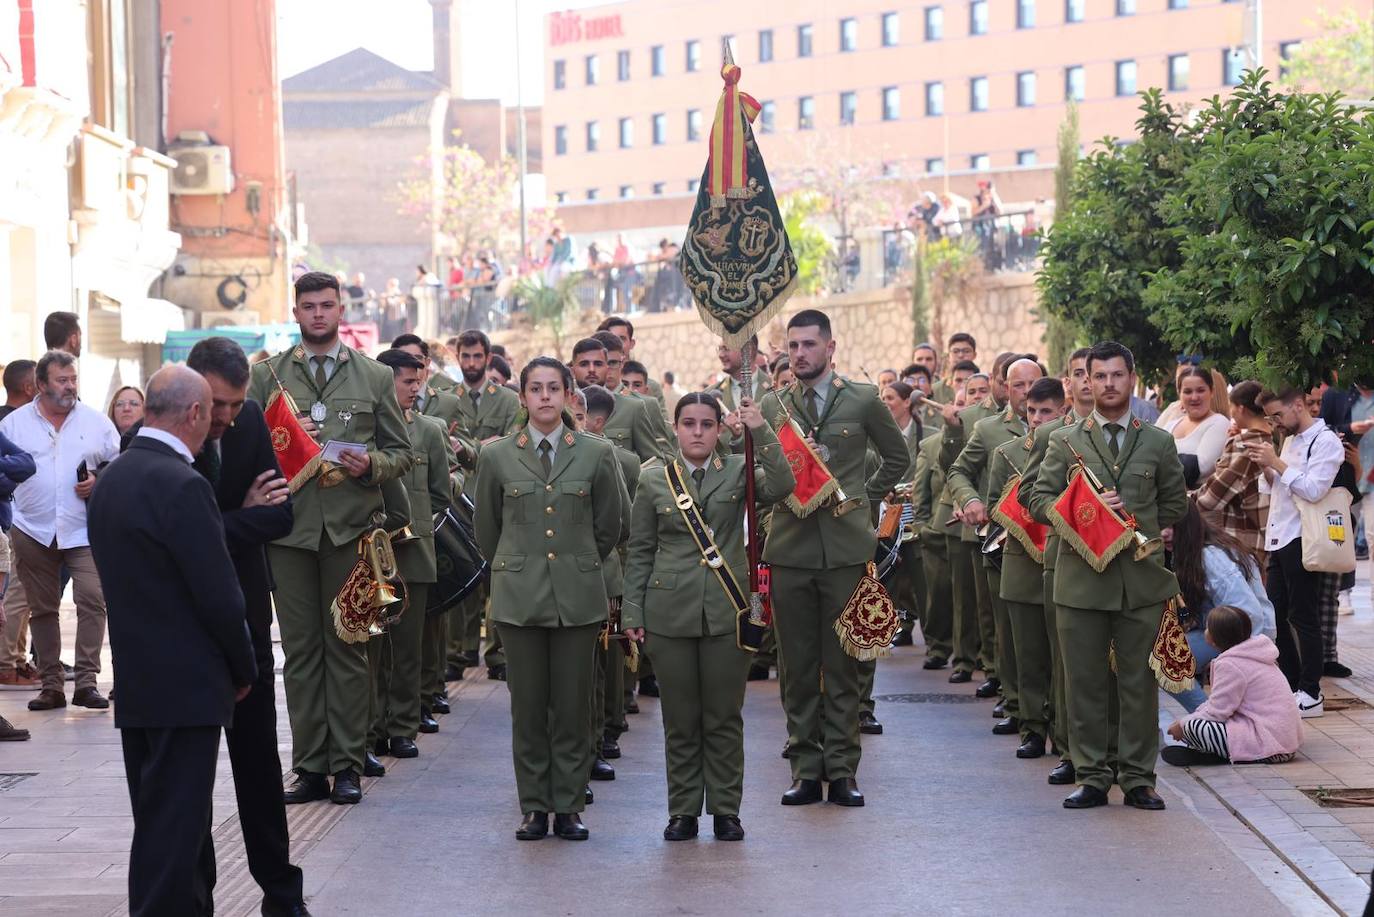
683, 500
713, 558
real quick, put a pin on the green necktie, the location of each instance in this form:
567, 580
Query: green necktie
544, 459
321, 380
699, 475
210, 463
474, 394
810, 399
1112, 430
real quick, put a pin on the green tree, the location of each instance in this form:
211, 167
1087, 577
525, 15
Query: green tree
810, 246
550, 306
1062, 335
1339, 59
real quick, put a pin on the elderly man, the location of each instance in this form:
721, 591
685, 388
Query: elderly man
182, 653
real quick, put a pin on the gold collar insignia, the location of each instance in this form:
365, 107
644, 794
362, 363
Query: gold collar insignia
1087, 423
567, 439
717, 464
299, 352
491, 388
1135, 423
522, 440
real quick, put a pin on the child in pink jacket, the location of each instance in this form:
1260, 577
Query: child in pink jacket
1250, 714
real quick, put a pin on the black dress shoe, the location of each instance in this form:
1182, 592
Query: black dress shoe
803, 793
468, 659
1144, 797
601, 770
275, 909
373, 767
1000, 710
533, 826
727, 828
570, 827
869, 725
308, 787
380, 747
497, 672
48, 699
903, 638
934, 662
588, 796
428, 723
649, 686
759, 673
988, 688
1329, 669
959, 677
787, 749
1009, 726
347, 789
845, 792
1033, 747
681, 828
404, 747
632, 706
1183, 756
453, 673
1085, 797
1063, 774
90, 697
610, 748
439, 704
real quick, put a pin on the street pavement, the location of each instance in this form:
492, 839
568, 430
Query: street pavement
954, 823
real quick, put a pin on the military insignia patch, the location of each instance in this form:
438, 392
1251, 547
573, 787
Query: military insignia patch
298, 353
522, 440
567, 439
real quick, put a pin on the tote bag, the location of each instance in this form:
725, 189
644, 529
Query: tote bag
1328, 533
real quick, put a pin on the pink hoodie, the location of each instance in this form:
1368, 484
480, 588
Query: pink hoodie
1251, 696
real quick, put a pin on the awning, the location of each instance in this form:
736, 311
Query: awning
273, 338
149, 321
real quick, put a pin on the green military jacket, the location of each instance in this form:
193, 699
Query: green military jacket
613, 571
360, 407
942, 392
1149, 478
547, 539
728, 393
494, 415
427, 486
952, 445
852, 419
441, 381
930, 417
1041, 439
669, 589
969, 475
663, 433
1022, 577
931, 511
631, 427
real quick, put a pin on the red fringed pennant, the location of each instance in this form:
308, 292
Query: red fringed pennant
815, 483
1096, 532
297, 453
1171, 658
1016, 519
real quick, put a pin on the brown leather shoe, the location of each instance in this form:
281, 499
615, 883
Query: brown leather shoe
48, 699
11, 733
12, 678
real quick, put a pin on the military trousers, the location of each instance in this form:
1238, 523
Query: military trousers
433, 656
702, 680
984, 613
393, 659
606, 712
965, 600
1005, 655
1059, 719
465, 625
868, 671
549, 675
937, 627
822, 694
909, 587
1086, 636
325, 678
1034, 667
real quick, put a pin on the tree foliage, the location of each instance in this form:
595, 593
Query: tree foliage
810, 246
1062, 334
549, 305
1339, 59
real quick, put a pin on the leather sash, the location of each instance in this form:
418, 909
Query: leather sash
691, 514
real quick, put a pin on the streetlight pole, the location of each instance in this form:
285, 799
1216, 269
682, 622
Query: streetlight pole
520, 136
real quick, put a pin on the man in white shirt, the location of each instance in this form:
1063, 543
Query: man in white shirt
1312, 454
69, 441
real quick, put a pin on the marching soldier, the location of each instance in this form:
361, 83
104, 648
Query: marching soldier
968, 650
817, 560
911, 581
932, 516
352, 399
629, 426
436, 397
688, 513
624, 329
548, 514
962, 349
653, 411
1118, 610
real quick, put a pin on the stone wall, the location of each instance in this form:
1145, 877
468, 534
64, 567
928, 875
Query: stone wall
873, 330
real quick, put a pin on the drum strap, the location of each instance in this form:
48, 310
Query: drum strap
691, 514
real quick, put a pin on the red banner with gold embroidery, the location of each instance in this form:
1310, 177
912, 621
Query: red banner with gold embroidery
814, 481
297, 453
1096, 532
1016, 519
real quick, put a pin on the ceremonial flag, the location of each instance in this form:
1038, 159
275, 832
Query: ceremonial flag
736, 258
815, 483
297, 453
869, 622
1018, 522
1171, 658
1096, 532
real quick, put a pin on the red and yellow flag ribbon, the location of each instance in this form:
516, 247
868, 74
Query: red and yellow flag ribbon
729, 176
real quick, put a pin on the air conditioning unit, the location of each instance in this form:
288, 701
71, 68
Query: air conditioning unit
225, 319
201, 170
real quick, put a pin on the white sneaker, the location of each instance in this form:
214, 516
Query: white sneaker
1309, 706
1346, 606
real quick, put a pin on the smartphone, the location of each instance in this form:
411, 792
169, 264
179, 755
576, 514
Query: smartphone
82, 472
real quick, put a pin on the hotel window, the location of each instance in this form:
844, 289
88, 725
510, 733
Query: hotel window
1026, 158
693, 184
693, 56
622, 65
560, 74
935, 23
694, 124
1025, 89
1125, 7
1178, 72
1286, 51
627, 191
627, 133
806, 113
978, 94
767, 117
849, 102
980, 162
804, 40
1025, 14
656, 60
1075, 83
978, 17
658, 187
560, 140
593, 194
892, 30
593, 136
1125, 77
659, 124
593, 69
892, 103
560, 197
1232, 66
935, 166
935, 99
1073, 10
1178, 4
849, 34
765, 45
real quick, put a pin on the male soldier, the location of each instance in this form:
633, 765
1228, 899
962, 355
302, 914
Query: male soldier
924, 354
928, 411
615, 363
395, 656
962, 348
622, 328
629, 426
957, 553
487, 412
1022, 589
968, 482
436, 397
818, 560
731, 361
351, 399
933, 511
1114, 614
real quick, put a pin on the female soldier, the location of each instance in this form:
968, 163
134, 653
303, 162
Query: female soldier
671, 594
548, 512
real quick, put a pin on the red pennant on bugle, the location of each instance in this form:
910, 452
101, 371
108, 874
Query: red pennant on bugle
1017, 520
297, 453
1085, 521
815, 483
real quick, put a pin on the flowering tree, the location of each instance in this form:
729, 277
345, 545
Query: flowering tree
1339, 59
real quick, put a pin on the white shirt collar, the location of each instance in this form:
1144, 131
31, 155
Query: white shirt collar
168, 439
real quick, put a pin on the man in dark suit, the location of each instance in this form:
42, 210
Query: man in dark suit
182, 654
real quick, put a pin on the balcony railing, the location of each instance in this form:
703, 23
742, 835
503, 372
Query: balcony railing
1005, 242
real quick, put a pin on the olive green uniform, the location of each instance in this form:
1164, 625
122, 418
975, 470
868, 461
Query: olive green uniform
937, 627
631, 427
1120, 608
690, 621
728, 393
325, 678
608, 691
547, 534
910, 584
816, 562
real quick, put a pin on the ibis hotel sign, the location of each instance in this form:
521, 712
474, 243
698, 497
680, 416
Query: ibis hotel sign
569, 27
